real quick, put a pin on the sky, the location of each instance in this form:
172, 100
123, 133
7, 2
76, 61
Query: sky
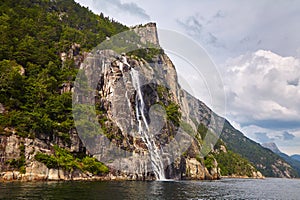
255, 46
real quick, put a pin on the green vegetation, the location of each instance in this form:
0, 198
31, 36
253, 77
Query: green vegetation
231, 163
148, 53
172, 109
65, 160
263, 159
294, 163
94, 166
33, 35
209, 162
202, 130
162, 92
173, 113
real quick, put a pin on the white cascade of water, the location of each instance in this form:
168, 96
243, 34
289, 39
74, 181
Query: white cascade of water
154, 151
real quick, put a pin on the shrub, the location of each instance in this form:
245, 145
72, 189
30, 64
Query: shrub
67, 161
209, 162
173, 113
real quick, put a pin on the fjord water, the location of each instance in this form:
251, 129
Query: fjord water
270, 188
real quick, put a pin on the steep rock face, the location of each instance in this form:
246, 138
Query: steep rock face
148, 33
117, 103
132, 98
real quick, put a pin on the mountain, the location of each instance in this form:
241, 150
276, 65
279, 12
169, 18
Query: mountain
44, 45
289, 159
267, 162
272, 146
296, 157
128, 110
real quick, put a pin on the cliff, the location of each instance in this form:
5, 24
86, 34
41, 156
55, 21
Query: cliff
144, 109
122, 99
128, 110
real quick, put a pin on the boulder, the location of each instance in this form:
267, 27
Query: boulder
53, 175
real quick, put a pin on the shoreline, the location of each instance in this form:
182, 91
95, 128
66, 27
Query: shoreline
15, 176
244, 177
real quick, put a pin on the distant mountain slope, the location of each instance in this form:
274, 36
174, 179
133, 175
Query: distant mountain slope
293, 162
269, 163
272, 146
296, 157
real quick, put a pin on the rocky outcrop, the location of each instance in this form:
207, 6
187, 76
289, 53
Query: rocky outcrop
194, 170
13, 148
147, 33
272, 146
73, 54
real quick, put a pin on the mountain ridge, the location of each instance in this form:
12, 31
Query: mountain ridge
289, 159
296, 157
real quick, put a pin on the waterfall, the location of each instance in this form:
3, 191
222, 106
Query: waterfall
144, 131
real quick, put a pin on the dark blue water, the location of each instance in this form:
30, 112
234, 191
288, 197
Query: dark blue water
222, 189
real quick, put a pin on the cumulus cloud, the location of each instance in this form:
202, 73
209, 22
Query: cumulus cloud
262, 87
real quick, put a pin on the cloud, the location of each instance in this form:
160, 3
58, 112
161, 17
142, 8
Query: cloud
245, 26
271, 136
261, 89
287, 140
294, 82
126, 12
131, 7
263, 138
195, 26
225, 24
219, 14
288, 136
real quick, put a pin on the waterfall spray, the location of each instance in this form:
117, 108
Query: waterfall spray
144, 131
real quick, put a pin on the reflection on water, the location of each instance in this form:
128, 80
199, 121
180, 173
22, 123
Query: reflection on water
222, 189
